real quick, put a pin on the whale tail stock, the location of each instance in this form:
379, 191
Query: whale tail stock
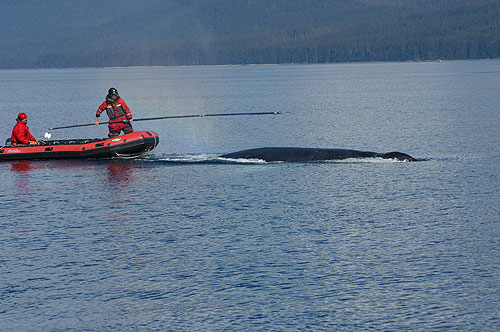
397, 155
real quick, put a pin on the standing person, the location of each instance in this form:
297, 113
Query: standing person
21, 133
118, 112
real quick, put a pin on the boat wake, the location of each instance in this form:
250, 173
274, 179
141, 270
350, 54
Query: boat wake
197, 159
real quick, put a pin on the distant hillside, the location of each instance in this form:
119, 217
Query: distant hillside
61, 33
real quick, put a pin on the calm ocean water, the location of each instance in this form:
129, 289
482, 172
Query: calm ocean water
177, 241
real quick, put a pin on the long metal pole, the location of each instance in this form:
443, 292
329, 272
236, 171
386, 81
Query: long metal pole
171, 117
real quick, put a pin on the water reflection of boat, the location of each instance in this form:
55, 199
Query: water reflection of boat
26, 174
125, 146
21, 166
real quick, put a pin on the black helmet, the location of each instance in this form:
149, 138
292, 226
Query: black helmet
112, 92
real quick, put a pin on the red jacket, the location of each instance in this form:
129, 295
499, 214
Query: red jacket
117, 111
21, 134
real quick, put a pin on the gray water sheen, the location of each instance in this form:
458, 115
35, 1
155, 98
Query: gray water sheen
181, 241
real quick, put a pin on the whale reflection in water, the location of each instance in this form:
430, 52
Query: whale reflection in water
296, 154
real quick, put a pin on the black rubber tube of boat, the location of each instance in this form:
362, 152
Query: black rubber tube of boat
171, 117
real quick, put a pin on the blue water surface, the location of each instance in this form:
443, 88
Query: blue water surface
179, 240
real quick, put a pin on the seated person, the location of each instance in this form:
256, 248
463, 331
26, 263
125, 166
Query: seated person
21, 133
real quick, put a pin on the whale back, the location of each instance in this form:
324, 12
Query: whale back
297, 154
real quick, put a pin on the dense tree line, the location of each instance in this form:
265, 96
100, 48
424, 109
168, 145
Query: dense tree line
60, 33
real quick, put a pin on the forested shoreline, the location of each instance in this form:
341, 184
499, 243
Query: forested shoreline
58, 34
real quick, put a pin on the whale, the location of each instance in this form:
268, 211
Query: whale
298, 154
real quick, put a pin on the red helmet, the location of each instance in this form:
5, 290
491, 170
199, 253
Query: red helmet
22, 116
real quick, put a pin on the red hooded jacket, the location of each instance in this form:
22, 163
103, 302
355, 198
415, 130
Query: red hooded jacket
116, 111
21, 134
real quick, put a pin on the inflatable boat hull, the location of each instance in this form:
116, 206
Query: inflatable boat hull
125, 146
